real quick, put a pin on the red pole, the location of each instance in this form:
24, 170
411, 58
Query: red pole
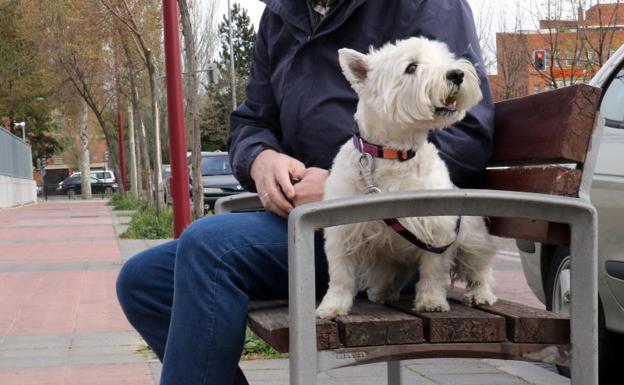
177, 140
120, 127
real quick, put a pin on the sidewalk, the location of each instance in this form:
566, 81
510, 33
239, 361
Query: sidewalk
60, 322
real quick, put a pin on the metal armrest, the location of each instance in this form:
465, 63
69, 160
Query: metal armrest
238, 202
578, 213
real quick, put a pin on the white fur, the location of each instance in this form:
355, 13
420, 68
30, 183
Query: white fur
397, 110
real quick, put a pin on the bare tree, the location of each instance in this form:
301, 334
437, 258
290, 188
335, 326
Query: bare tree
122, 12
85, 164
143, 157
600, 32
191, 94
134, 185
511, 57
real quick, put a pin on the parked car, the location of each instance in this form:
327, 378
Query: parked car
105, 175
72, 186
547, 268
217, 178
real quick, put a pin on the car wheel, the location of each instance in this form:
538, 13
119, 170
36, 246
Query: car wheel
108, 190
557, 290
71, 193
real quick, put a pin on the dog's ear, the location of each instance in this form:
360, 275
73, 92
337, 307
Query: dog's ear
354, 65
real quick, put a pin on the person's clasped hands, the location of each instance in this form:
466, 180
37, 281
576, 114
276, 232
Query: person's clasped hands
284, 183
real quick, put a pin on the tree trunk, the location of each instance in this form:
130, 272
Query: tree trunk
85, 165
132, 150
192, 106
159, 198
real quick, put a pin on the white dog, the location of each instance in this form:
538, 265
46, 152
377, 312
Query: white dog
405, 90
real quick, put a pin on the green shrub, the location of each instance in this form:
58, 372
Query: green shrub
256, 349
148, 224
119, 202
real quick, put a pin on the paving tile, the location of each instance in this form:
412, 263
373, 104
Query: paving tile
21, 358
85, 340
450, 366
32, 376
73, 251
45, 341
155, 369
131, 247
67, 266
510, 285
54, 233
529, 372
476, 379
99, 355
60, 302
128, 374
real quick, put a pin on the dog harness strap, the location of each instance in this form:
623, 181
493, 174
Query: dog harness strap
366, 164
395, 225
380, 152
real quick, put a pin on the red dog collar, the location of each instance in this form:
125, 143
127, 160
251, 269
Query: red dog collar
380, 152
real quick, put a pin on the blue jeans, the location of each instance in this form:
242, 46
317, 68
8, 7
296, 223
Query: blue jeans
188, 298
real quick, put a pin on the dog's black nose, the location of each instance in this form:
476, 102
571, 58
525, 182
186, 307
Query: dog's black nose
455, 76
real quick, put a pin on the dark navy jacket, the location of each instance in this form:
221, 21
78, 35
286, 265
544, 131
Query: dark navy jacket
299, 103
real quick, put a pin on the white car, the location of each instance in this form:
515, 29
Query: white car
547, 268
104, 175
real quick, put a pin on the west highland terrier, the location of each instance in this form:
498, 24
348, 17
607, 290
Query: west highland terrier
405, 90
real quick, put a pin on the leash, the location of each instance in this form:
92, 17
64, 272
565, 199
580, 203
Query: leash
366, 162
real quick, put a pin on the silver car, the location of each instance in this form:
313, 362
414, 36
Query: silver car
547, 268
217, 178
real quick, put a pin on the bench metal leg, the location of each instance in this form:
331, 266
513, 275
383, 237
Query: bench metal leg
394, 373
301, 305
584, 306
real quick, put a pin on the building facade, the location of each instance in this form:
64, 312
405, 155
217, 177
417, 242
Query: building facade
560, 53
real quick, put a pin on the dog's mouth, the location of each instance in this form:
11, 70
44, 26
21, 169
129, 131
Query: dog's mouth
449, 106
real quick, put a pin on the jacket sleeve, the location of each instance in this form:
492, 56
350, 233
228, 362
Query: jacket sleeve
466, 147
254, 125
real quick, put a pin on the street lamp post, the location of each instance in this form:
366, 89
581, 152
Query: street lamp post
232, 73
175, 108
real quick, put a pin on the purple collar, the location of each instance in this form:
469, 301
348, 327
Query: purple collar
381, 152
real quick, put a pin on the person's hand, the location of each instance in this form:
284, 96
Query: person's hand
310, 186
272, 173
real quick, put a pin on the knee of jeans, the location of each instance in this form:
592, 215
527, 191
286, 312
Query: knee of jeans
129, 282
201, 238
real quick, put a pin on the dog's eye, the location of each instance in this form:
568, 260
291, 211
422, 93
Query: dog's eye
411, 68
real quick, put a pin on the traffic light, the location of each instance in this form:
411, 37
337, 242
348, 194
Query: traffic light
539, 60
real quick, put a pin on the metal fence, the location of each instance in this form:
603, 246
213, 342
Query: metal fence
15, 156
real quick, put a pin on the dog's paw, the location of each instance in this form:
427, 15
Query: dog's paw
479, 297
332, 307
431, 304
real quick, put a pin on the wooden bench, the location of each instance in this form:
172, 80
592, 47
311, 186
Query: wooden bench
543, 158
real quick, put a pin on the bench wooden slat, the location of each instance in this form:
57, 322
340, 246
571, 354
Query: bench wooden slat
553, 180
538, 231
369, 324
527, 324
271, 324
460, 324
551, 127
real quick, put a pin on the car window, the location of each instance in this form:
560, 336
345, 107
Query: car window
100, 175
612, 107
216, 165
94, 179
